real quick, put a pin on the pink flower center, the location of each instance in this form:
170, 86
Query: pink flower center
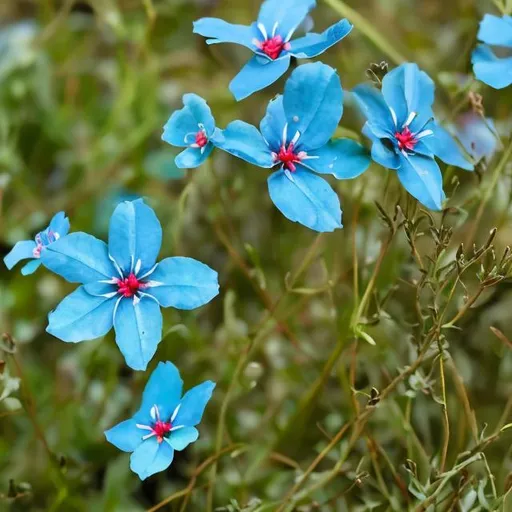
160, 429
201, 139
129, 286
288, 157
406, 139
273, 47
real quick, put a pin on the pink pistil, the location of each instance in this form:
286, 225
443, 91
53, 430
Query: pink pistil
129, 286
201, 139
406, 139
160, 429
273, 47
288, 157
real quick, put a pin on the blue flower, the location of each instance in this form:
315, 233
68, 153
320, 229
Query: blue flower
295, 137
33, 249
490, 69
165, 421
270, 38
192, 127
478, 135
122, 285
405, 136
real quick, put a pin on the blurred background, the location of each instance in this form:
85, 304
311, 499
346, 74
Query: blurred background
85, 89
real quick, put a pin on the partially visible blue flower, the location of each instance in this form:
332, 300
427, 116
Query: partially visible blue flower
192, 127
16, 46
165, 422
33, 249
490, 69
478, 135
122, 284
270, 38
405, 136
295, 138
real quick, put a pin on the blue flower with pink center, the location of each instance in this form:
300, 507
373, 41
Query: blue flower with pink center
295, 138
164, 423
271, 40
32, 249
123, 286
405, 136
192, 127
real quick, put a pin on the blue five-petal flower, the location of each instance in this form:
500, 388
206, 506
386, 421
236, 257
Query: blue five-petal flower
270, 38
165, 422
490, 69
122, 285
295, 137
192, 127
405, 136
33, 249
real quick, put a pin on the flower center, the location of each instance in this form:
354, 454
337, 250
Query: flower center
273, 46
161, 429
288, 157
406, 139
129, 286
201, 139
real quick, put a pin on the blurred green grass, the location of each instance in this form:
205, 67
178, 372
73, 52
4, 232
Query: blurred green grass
85, 88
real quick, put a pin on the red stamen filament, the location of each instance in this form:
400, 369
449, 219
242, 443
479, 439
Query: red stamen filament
273, 47
288, 157
406, 139
201, 139
160, 429
129, 286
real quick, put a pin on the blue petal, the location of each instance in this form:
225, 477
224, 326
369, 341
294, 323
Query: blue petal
138, 330
258, 73
183, 283
181, 438
163, 390
421, 177
59, 224
188, 121
343, 158
273, 123
126, 435
151, 457
79, 258
287, 14
81, 316
306, 198
193, 404
312, 44
134, 234
442, 144
374, 108
245, 141
30, 267
219, 31
21, 251
496, 31
407, 89
381, 154
313, 104
193, 157
489, 69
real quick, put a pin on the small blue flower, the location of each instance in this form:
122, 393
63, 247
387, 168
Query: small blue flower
33, 249
296, 138
192, 127
405, 136
478, 135
165, 421
123, 286
270, 38
490, 69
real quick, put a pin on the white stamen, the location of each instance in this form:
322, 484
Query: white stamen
109, 281
155, 413
176, 428
109, 295
56, 236
203, 149
424, 133
149, 272
405, 153
118, 268
274, 28
152, 284
410, 119
175, 413
195, 146
136, 299
116, 306
138, 266
393, 115
310, 157
290, 34
285, 134
296, 137
288, 174
143, 427
148, 436
132, 263
263, 30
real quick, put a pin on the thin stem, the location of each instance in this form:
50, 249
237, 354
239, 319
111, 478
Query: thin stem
446, 421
